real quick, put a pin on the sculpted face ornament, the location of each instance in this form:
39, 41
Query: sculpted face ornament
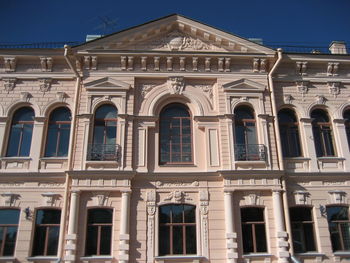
176, 85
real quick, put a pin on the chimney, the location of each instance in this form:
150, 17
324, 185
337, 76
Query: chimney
337, 47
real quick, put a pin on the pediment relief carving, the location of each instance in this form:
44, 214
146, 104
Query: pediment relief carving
244, 85
107, 83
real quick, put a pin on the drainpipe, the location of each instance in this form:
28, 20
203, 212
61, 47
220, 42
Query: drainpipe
70, 153
279, 153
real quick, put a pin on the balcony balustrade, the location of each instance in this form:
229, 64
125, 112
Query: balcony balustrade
250, 152
104, 152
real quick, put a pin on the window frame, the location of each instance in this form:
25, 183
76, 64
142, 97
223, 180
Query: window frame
244, 123
302, 223
22, 123
59, 123
170, 162
47, 229
347, 125
104, 121
99, 225
5, 226
183, 225
339, 232
254, 237
289, 128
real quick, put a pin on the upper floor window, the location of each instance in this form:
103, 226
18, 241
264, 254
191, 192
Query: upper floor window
104, 145
246, 147
8, 231
339, 227
47, 229
302, 229
322, 131
346, 117
177, 230
99, 232
20, 138
58, 131
175, 134
253, 230
289, 131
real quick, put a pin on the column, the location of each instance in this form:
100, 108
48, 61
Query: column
231, 235
281, 234
308, 143
124, 228
71, 236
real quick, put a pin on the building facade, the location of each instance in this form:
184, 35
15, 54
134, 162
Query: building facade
174, 141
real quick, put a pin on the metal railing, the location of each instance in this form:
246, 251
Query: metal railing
250, 152
104, 152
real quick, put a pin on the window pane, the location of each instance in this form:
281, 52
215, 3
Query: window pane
91, 240
100, 216
106, 238
337, 213
99, 134
164, 240
10, 243
64, 143
15, 137
190, 216
9, 216
300, 214
52, 242
178, 240
191, 240
177, 213
297, 233
252, 214
111, 132
26, 140
309, 237
51, 141
260, 238
164, 214
247, 235
106, 112
60, 114
48, 216
39, 240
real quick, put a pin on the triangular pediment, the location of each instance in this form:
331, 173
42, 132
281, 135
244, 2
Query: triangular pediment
107, 83
174, 33
243, 85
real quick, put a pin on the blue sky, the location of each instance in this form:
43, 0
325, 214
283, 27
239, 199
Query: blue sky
308, 22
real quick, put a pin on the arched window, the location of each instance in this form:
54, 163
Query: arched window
47, 230
8, 231
253, 230
177, 230
104, 145
99, 232
246, 147
346, 117
322, 131
21, 133
289, 132
175, 134
58, 131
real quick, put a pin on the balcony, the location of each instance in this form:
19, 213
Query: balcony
104, 152
250, 152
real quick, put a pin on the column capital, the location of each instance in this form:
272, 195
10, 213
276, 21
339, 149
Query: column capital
75, 191
277, 191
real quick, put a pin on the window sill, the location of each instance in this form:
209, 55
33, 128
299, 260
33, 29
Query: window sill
177, 165
342, 254
182, 258
257, 255
297, 158
331, 158
54, 158
15, 158
42, 258
8, 259
310, 254
96, 258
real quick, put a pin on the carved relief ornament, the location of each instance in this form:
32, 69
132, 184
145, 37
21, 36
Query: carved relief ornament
334, 88
301, 197
176, 85
45, 84
302, 87
177, 196
9, 198
10, 64
46, 63
9, 83
337, 196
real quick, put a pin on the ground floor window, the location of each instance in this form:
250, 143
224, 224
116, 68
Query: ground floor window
339, 227
99, 232
302, 229
253, 230
47, 229
177, 230
8, 231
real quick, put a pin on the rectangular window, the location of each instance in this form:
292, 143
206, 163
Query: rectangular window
339, 227
47, 228
8, 231
302, 229
253, 230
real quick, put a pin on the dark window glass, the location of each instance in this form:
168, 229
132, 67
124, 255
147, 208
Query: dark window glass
177, 230
58, 131
253, 230
288, 126
8, 231
339, 227
346, 116
47, 228
99, 232
322, 131
175, 134
21, 133
302, 229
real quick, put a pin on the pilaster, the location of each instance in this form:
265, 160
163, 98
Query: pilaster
124, 228
231, 235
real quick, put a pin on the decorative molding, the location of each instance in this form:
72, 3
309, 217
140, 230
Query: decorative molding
252, 199
334, 88
301, 197
130, 63
207, 64
320, 99
90, 62
46, 64
177, 196
10, 198
259, 65
144, 63
301, 67
176, 85
207, 89
50, 198
332, 69
45, 84
101, 198
25, 96
151, 210
169, 63
79, 64
288, 99
195, 63
337, 196
156, 63
61, 96
9, 83
176, 184
204, 209
10, 64
302, 87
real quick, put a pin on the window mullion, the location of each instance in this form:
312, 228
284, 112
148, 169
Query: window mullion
47, 229
3, 241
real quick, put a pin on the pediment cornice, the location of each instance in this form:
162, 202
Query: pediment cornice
107, 83
245, 85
